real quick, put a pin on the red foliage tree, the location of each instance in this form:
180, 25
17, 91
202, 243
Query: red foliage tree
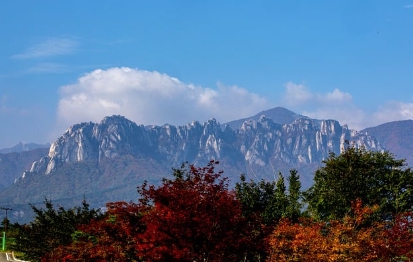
396, 239
194, 218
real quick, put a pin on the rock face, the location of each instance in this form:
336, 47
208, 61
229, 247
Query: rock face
256, 144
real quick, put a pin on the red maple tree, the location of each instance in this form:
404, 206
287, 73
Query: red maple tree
194, 217
396, 239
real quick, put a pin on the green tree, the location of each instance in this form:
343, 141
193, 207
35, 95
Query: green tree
255, 197
293, 211
376, 178
277, 208
5, 223
269, 199
51, 228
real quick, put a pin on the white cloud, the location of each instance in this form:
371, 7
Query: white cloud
408, 6
51, 46
296, 94
299, 94
339, 105
149, 97
394, 110
336, 105
336, 97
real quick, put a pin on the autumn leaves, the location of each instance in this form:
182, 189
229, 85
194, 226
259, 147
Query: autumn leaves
353, 238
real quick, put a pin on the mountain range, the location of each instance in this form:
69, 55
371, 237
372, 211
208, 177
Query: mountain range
106, 161
23, 147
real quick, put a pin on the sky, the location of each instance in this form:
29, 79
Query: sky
158, 62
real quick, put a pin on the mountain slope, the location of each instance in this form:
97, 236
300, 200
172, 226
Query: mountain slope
396, 137
12, 165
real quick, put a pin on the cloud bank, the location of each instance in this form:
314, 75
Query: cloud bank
149, 97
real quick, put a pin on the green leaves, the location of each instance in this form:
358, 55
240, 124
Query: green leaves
375, 178
51, 228
293, 211
270, 200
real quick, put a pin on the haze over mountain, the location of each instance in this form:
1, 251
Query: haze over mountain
22, 147
11, 164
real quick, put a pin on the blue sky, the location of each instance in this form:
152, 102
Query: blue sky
156, 62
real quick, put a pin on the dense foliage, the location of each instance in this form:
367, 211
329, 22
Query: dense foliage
51, 228
357, 210
347, 239
375, 178
194, 217
111, 237
270, 199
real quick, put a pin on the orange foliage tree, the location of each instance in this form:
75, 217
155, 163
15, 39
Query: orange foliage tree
301, 241
350, 239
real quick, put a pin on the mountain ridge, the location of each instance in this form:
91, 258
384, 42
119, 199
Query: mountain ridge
105, 161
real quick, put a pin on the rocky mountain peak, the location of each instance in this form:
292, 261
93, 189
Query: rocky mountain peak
258, 142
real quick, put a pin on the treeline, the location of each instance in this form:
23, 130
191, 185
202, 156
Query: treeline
358, 209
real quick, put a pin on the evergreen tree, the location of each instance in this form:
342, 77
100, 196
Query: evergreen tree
279, 202
270, 199
293, 211
51, 228
255, 197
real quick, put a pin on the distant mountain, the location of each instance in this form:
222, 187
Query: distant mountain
396, 137
279, 115
12, 165
21, 147
106, 161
